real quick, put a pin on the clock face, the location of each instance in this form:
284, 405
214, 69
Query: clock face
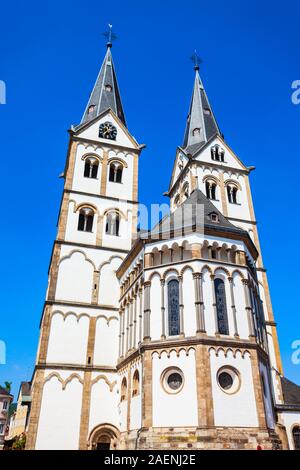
107, 131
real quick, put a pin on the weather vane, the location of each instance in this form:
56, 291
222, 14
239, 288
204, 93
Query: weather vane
110, 36
196, 60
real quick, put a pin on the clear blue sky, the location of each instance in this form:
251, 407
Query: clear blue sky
50, 56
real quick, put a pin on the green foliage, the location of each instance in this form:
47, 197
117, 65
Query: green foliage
20, 442
7, 386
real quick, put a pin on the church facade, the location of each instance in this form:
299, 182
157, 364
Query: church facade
162, 338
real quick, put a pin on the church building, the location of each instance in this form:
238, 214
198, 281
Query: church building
161, 338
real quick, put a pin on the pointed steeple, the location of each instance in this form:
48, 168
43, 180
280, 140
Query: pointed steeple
105, 93
201, 124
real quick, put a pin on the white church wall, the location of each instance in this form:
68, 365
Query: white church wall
104, 400
92, 132
237, 409
106, 339
59, 421
109, 288
178, 409
75, 288
68, 338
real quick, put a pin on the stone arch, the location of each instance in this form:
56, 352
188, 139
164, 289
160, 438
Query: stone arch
93, 155
88, 205
77, 251
63, 382
104, 436
111, 385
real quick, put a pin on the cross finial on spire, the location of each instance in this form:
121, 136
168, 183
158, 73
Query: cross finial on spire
196, 60
110, 36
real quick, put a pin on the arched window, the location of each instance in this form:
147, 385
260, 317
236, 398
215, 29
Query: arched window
136, 383
91, 168
173, 307
221, 307
232, 193
296, 437
217, 153
115, 172
124, 389
112, 224
211, 189
85, 220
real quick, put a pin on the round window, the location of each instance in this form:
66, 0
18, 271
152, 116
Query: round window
225, 380
172, 380
228, 379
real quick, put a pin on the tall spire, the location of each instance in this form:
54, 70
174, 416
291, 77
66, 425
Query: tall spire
105, 93
201, 124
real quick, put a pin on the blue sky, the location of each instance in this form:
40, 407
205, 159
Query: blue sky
50, 56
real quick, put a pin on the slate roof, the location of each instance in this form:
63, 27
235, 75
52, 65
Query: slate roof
195, 211
200, 117
105, 94
291, 392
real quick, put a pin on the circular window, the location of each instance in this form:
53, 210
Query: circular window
229, 380
172, 380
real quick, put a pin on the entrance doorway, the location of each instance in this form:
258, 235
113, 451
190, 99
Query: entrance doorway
104, 437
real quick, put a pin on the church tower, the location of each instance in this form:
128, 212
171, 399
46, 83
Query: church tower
74, 382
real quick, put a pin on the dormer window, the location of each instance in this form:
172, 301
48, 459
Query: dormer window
207, 111
108, 87
91, 109
217, 153
214, 217
196, 131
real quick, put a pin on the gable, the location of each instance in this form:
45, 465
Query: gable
90, 131
180, 163
230, 159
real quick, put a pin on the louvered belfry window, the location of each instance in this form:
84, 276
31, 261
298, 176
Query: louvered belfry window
221, 307
173, 307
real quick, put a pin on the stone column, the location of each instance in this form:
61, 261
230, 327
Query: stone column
85, 410
140, 314
123, 332
236, 333
248, 308
120, 331
181, 317
163, 309
134, 322
212, 277
130, 311
199, 306
127, 309
147, 311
